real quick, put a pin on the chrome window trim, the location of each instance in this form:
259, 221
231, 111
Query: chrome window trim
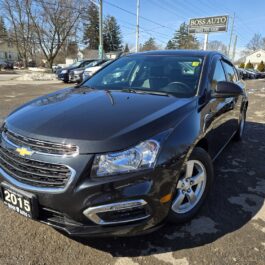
4, 137
92, 212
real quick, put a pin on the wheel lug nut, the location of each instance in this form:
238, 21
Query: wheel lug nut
191, 182
189, 190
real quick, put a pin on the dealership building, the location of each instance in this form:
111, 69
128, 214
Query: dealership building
256, 57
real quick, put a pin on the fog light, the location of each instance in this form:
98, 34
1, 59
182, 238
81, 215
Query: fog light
115, 213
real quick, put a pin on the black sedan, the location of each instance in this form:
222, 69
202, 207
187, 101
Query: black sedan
128, 149
63, 73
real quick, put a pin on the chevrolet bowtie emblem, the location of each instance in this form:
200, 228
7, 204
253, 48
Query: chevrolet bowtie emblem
24, 151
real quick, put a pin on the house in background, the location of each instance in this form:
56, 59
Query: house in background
256, 57
8, 51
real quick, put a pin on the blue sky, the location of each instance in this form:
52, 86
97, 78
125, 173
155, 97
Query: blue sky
167, 15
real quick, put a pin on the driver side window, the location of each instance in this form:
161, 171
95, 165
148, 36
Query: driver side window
219, 75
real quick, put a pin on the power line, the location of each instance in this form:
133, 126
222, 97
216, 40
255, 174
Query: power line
134, 14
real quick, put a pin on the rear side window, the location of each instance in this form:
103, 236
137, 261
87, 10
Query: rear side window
219, 75
230, 72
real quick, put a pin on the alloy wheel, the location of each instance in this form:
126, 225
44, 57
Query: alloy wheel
190, 187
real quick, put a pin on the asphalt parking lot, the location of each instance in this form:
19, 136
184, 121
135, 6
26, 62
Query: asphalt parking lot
230, 229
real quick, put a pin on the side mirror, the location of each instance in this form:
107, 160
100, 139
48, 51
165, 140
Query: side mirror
227, 89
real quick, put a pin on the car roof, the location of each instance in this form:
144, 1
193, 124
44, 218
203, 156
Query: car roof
178, 52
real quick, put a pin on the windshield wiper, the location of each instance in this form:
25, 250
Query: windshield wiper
140, 91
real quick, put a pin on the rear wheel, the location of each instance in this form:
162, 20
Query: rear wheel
192, 187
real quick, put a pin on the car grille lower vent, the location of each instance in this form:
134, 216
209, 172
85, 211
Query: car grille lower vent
39, 145
123, 215
32, 172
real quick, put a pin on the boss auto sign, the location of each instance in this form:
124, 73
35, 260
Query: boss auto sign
208, 24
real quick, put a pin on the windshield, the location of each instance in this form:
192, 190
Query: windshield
176, 75
76, 64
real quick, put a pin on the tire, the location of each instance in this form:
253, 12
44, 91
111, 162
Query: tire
240, 131
202, 164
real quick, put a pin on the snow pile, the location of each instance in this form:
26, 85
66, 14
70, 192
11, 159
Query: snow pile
37, 77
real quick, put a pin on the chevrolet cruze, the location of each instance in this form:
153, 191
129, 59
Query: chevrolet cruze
128, 149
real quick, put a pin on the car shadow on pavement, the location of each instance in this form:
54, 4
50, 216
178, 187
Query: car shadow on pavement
236, 198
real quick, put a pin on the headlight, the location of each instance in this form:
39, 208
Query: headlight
142, 156
64, 72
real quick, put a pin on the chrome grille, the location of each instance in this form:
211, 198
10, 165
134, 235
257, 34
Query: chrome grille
32, 172
40, 146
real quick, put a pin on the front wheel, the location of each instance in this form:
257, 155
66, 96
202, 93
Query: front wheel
239, 134
192, 186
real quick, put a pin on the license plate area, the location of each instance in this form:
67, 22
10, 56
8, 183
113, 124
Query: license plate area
19, 201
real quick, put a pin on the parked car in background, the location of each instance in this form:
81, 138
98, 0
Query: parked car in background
2, 64
6, 65
128, 149
55, 68
63, 74
76, 75
90, 70
257, 74
242, 73
250, 74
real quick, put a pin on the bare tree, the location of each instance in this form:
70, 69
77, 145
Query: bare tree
256, 43
53, 23
216, 45
21, 28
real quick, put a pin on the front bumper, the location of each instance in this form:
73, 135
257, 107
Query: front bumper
77, 211
64, 77
75, 78
120, 205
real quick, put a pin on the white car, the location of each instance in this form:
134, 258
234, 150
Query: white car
89, 71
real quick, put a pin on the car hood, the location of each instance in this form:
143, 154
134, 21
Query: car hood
78, 69
69, 68
97, 120
93, 68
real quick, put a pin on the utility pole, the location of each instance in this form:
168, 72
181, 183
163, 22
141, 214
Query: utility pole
137, 26
205, 41
100, 47
231, 35
234, 49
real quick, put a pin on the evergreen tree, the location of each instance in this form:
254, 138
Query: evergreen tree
184, 40
249, 65
171, 45
149, 45
91, 31
126, 49
3, 31
261, 67
111, 34
242, 65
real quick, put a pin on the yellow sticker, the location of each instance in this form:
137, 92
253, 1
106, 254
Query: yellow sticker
194, 64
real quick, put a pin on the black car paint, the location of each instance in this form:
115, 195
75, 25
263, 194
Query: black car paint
88, 118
